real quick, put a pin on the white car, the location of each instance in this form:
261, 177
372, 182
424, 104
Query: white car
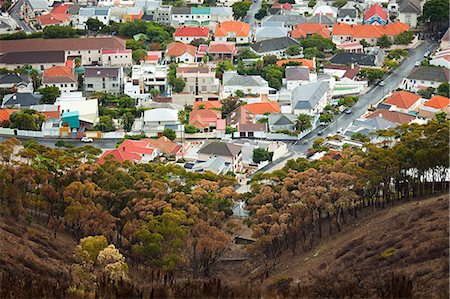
340, 130
418, 62
87, 140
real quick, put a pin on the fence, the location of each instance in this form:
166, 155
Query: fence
113, 135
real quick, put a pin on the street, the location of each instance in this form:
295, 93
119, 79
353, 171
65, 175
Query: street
250, 17
103, 144
372, 97
14, 12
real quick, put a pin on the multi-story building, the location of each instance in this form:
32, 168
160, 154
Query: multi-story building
198, 79
117, 57
144, 78
101, 14
103, 79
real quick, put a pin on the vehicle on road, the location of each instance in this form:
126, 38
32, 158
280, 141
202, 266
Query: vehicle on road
427, 53
320, 133
418, 62
87, 140
340, 130
382, 83
348, 111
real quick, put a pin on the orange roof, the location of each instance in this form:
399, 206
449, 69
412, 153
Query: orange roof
177, 49
58, 71
164, 144
241, 29
61, 9
119, 156
208, 105
51, 114
370, 31
375, 10
202, 118
438, 102
402, 99
222, 47
5, 113
261, 108
303, 30
392, 116
192, 31
52, 19
305, 62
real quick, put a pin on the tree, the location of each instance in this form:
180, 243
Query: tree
139, 54
303, 122
56, 31
27, 119
169, 133
178, 84
371, 74
230, 104
312, 3
441, 117
325, 118
230, 130
223, 66
106, 124
318, 42
240, 9
404, 38
360, 137
190, 129
260, 154
134, 44
94, 24
364, 43
427, 93
34, 75
443, 90
293, 50
384, 41
154, 92
339, 3
49, 94
435, 14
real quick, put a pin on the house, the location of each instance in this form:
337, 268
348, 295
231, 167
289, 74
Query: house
342, 71
222, 50
441, 58
396, 117
311, 98
276, 46
180, 52
422, 77
117, 57
344, 33
310, 63
232, 31
21, 100
156, 120
19, 83
307, 29
352, 47
347, 82
83, 111
226, 3
133, 13
153, 57
298, 75
348, 15
368, 127
445, 40
280, 8
101, 14
165, 146
5, 116
240, 115
220, 14
327, 20
215, 105
268, 32
189, 34
261, 110
42, 54
135, 151
103, 79
435, 105
229, 152
251, 130
289, 21
144, 78
375, 15
215, 165
366, 60
281, 122
207, 120
58, 16
163, 14
409, 11
403, 101
322, 9
232, 82
199, 79
29, 9
62, 77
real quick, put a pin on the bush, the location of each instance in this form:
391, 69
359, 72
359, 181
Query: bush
190, 129
261, 154
230, 130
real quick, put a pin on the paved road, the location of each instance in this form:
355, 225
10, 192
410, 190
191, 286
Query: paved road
372, 97
14, 12
103, 144
250, 17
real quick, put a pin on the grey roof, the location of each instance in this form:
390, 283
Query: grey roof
297, 73
347, 58
38, 4
221, 11
252, 127
181, 10
367, 126
216, 165
288, 20
307, 96
409, 6
101, 72
220, 149
271, 32
13, 79
281, 119
21, 99
94, 11
33, 57
59, 79
274, 44
322, 19
430, 73
351, 12
233, 79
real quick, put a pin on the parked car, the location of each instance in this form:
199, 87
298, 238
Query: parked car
87, 140
340, 130
348, 111
320, 133
418, 62
427, 53
382, 83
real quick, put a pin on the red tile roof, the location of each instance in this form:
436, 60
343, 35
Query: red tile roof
63, 8
369, 31
58, 71
192, 31
164, 145
129, 150
284, 6
117, 51
203, 117
52, 19
51, 114
303, 30
438, 102
402, 99
305, 62
376, 9
119, 156
261, 108
241, 29
208, 105
177, 49
392, 116
5, 113
222, 47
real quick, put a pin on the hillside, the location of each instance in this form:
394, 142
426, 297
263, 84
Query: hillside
401, 247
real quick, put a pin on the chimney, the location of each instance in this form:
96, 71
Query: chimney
123, 148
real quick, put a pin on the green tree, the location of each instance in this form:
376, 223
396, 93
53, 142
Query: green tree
312, 3
27, 119
59, 32
169, 133
154, 92
240, 9
364, 43
360, 137
404, 38
293, 50
230, 130
443, 89
94, 24
384, 41
441, 117
134, 44
318, 42
106, 124
435, 14
371, 74
132, 28
223, 66
229, 104
325, 118
260, 154
190, 129
303, 122
339, 3
178, 84
49, 94
139, 54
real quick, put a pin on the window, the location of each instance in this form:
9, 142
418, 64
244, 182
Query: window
90, 85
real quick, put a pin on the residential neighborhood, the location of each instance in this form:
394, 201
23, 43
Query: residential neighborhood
194, 84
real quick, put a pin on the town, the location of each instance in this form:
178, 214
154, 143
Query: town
224, 148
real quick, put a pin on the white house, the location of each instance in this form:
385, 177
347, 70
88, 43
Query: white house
423, 77
298, 75
144, 78
117, 57
74, 101
409, 11
441, 58
311, 98
232, 82
157, 120
100, 13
